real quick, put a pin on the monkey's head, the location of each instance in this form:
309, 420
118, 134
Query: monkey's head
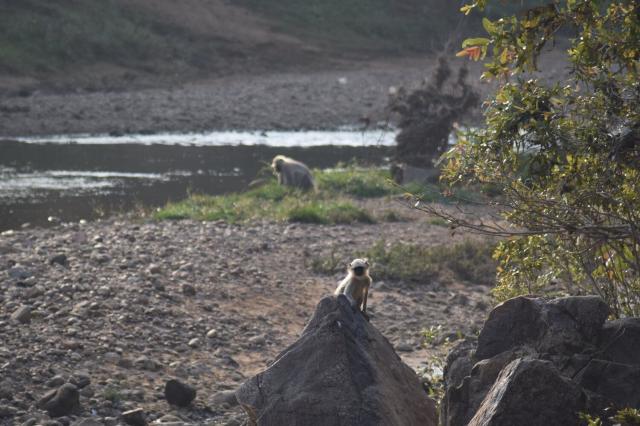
276, 163
359, 267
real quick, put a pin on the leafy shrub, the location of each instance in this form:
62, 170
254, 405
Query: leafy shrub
566, 157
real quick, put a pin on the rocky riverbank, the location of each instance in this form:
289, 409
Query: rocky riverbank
119, 307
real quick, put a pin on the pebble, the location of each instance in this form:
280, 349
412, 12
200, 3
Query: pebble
135, 417
404, 347
179, 393
22, 315
60, 259
7, 411
188, 290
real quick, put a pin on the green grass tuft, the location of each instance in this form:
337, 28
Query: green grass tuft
468, 261
332, 203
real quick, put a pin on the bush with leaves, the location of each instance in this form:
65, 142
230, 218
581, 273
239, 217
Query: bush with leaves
573, 219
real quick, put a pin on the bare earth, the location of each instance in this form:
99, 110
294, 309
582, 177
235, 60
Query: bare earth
121, 313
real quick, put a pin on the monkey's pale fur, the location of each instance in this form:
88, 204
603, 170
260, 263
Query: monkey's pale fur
356, 286
292, 173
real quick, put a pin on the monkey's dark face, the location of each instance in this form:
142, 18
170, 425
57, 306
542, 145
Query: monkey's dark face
359, 271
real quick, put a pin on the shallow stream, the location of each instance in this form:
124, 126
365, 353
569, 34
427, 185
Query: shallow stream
83, 176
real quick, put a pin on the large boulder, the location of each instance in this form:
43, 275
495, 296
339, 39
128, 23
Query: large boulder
541, 361
340, 372
462, 401
620, 340
619, 383
563, 326
62, 401
531, 392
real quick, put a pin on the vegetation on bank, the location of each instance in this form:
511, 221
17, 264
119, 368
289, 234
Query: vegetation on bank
330, 203
333, 202
468, 261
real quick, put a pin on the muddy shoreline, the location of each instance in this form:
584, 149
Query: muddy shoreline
352, 95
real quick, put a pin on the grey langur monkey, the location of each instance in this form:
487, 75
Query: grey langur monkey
292, 173
355, 286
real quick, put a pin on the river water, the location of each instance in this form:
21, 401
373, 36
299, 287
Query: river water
77, 177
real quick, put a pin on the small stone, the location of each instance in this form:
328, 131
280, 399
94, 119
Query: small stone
257, 340
22, 315
225, 397
188, 290
154, 269
145, 363
81, 380
86, 422
7, 411
60, 259
104, 291
62, 401
111, 357
135, 417
194, 343
404, 347
18, 273
178, 393
56, 381
212, 334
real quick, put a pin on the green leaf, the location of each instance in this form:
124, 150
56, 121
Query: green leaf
477, 41
488, 26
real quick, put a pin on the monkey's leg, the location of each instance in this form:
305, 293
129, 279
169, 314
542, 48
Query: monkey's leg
364, 304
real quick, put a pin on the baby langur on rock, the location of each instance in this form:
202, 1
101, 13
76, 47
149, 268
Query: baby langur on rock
292, 173
356, 285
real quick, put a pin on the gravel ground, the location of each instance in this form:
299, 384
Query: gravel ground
119, 307
292, 101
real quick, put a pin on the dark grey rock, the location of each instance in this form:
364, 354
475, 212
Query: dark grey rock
87, 422
571, 324
178, 393
135, 417
188, 290
80, 380
461, 402
56, 381
60, 259
563, 326
22, 315
510, 324
459, 362
225, 397
341, 371
620, 341
533, 393
7, 411
617, 383
62, 401
18, 273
